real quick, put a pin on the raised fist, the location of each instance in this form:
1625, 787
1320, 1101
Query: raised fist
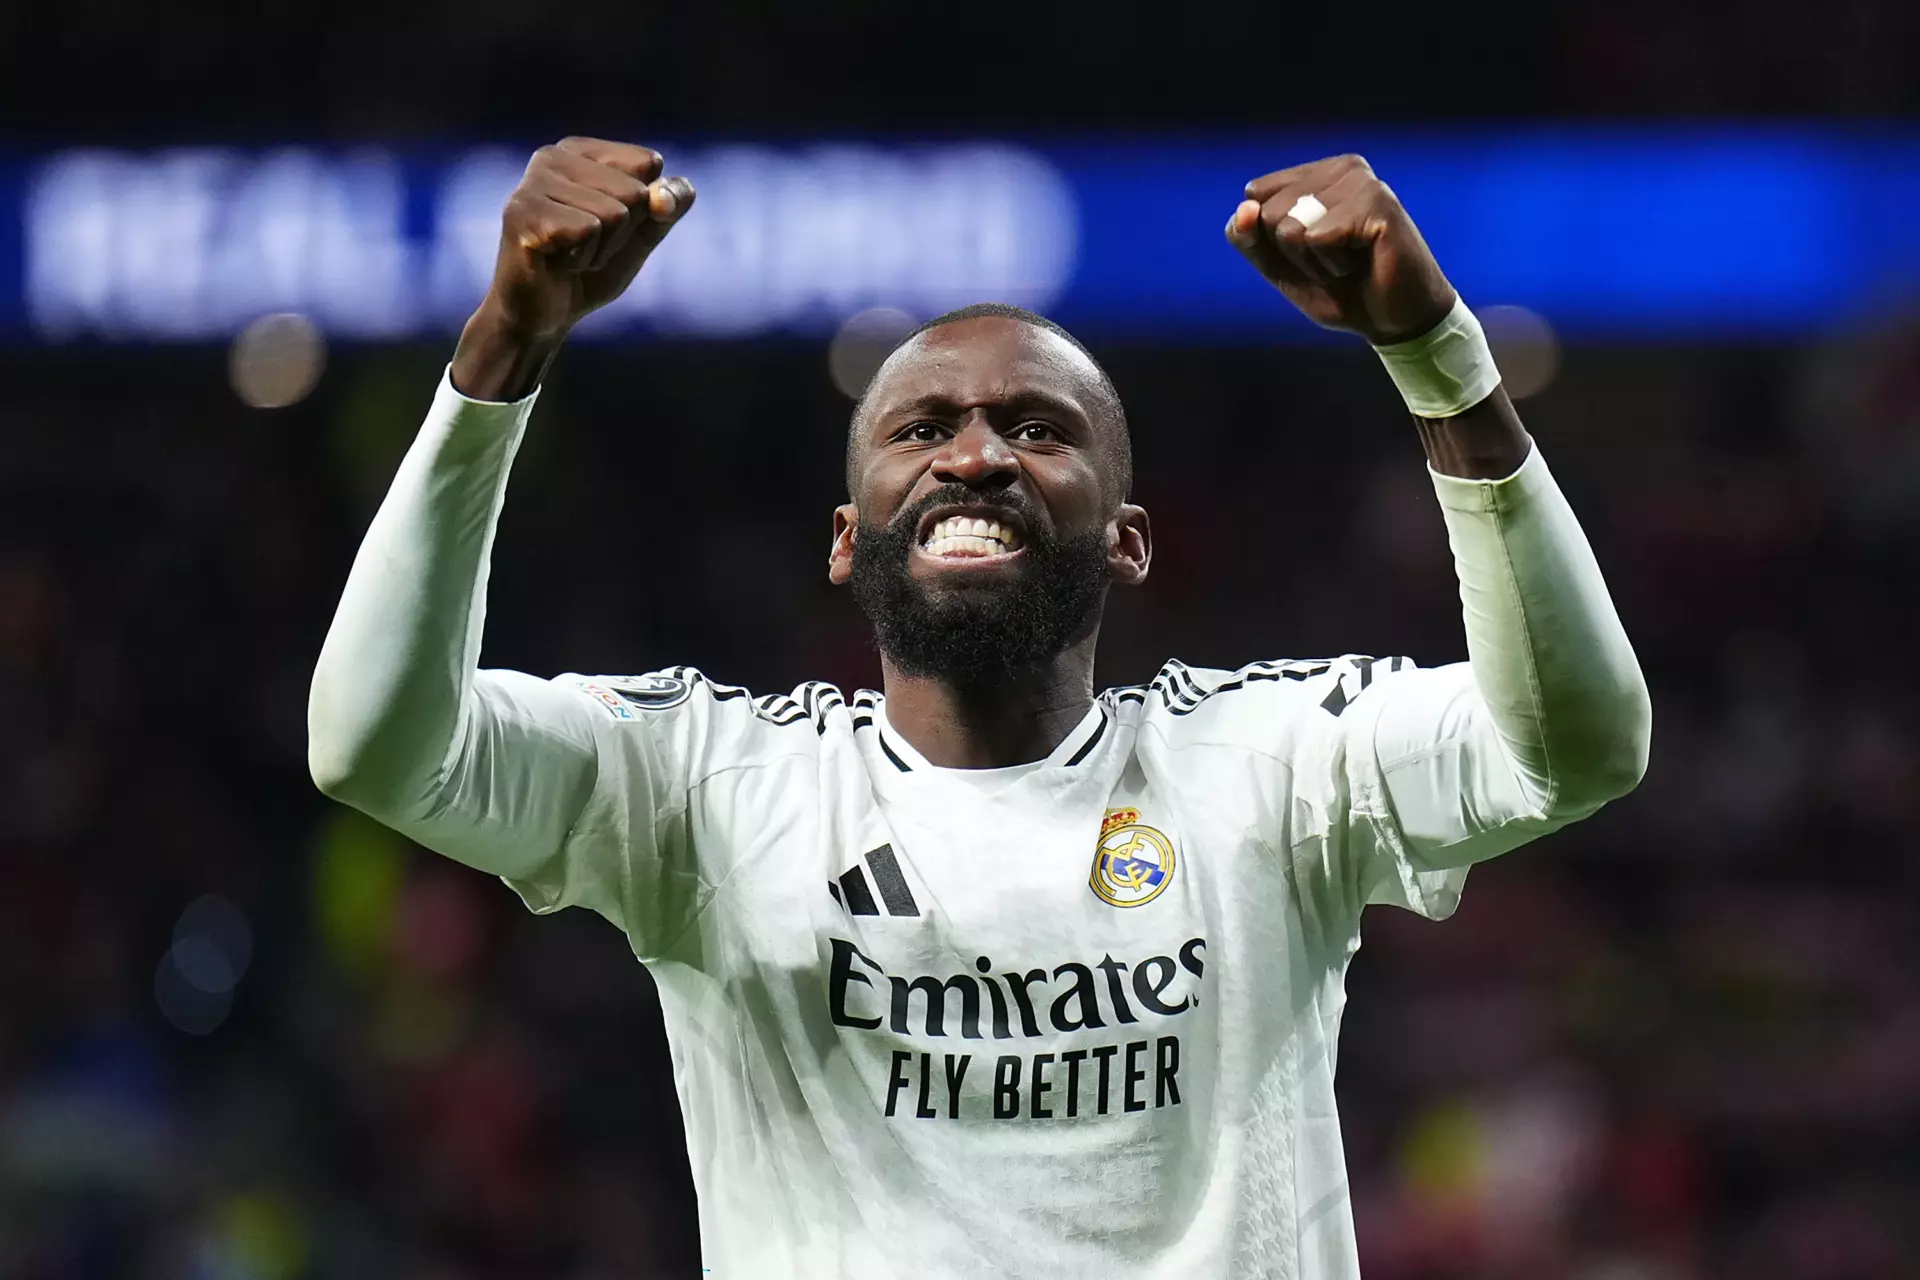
576, 230
1349, 258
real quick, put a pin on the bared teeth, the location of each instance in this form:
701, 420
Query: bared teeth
970, 536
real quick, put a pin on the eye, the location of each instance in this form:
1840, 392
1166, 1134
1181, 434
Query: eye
1035, 430
921, 432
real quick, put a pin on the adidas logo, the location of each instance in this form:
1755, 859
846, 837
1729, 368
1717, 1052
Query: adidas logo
852, 892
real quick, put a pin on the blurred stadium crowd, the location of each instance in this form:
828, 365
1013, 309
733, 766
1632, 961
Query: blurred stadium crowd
247, 1035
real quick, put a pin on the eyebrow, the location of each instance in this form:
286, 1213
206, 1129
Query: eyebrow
937, 405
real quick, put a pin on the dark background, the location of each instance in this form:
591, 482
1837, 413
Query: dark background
115, 72
1679, 1040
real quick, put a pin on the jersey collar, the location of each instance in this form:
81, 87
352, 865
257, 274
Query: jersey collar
1074, 749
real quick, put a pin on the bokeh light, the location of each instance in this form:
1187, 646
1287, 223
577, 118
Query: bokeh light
863, 342
196, 978
277, 360
1526, 347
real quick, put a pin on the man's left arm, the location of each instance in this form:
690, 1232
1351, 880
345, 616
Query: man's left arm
1550, 718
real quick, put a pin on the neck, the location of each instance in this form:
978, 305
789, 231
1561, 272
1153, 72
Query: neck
962, 727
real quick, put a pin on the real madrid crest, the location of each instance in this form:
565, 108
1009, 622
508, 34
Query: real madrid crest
1132, 862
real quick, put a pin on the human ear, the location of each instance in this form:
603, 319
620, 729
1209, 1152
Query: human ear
1129, 545
846, 524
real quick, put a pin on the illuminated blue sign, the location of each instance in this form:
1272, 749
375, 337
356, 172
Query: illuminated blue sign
1606, 233
194, 243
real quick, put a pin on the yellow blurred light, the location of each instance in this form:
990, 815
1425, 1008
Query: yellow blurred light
1444, 1158
266, 1234
357, 877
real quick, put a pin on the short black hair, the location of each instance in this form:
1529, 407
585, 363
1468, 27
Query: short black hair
1116, 413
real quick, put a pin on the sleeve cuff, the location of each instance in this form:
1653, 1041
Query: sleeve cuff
450, 398
1462, 494
458, 428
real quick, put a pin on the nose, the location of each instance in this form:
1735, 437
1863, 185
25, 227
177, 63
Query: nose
977, 456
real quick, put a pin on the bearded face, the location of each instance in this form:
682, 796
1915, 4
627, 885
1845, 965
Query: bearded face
987, 473
977, 630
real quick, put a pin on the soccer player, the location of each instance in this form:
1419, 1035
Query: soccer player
989, 974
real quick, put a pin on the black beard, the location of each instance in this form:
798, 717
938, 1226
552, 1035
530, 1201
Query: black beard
984, 636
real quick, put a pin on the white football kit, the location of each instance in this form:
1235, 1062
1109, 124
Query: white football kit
1072, 1018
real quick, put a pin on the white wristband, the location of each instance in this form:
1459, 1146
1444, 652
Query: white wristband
1446, 371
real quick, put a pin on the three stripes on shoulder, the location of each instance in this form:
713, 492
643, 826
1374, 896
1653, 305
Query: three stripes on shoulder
1183, 694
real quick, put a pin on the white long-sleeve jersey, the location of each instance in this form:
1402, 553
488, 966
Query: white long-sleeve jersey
1074, 1018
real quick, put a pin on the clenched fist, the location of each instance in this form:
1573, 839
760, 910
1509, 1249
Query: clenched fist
583, 219
575, 232
1362, 264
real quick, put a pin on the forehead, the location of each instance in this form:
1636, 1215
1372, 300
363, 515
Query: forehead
983, 361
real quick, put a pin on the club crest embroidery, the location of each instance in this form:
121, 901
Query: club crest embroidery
1132, 862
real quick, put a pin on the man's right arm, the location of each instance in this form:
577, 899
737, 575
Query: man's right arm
491, 767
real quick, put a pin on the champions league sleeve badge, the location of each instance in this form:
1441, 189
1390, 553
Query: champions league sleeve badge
1132, 862
651, 692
